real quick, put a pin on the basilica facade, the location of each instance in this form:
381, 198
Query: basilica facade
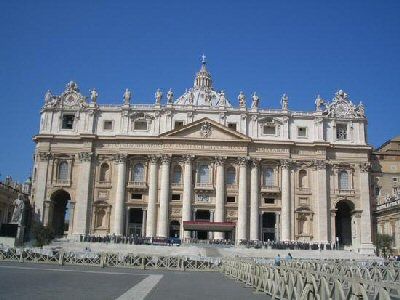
198, 166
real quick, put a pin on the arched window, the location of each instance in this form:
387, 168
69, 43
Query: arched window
138, 173
343, 180
63, 171
269, 177
303, 179
231, 175
104, 173
177, 175
203, 174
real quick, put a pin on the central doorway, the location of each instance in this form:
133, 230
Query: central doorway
61, 216
202, 215
135, 222
268, 226
343, 222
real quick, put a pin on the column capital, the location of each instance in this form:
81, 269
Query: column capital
85, 156
153, 159
320, 164
45, 156
365, 167
243, 160
165, 159
286, 163
120, 158
219, 160
188, 158
255, 162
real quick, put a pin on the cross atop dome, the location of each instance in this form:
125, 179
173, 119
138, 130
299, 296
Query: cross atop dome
203, 77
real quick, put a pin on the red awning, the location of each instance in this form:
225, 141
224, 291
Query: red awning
208, 226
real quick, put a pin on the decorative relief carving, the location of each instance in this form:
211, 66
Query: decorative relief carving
188, 158
231, 213
205, 130
255, 162
342, 107
175, 212
85, 156
320, 164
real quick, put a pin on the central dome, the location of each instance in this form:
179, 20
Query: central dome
202, 92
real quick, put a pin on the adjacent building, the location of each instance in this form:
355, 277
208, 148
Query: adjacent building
199, 166
386, 190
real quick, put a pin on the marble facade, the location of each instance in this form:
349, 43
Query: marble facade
149, 169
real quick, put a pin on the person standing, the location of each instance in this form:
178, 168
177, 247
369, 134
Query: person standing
277, 260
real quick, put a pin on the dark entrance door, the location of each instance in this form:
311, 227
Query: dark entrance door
61, 213
268, 226
135, 221
343, 223
202, 215
174, 229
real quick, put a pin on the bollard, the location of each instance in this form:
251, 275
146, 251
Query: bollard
61, 258
143, 263
21, 257
102, 260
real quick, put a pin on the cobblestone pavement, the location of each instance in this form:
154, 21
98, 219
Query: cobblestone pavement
43, 281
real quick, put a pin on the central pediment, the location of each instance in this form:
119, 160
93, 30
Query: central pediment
205, 129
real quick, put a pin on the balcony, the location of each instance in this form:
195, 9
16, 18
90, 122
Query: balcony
270, 189
345, 192
103, 184
203, 186
177, 186
303, 191
61, 183
231, 187
137, 185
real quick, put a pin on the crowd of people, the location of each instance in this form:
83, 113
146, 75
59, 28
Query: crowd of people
137, 240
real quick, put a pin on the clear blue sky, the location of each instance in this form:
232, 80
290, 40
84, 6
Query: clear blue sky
299, 47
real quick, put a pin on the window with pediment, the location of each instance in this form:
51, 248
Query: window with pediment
268, 177
231, 175
344, 180
138, 172
63, 170
177, 174
140, 125
341, 132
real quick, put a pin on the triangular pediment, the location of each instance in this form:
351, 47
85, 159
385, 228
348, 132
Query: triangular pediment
205, 129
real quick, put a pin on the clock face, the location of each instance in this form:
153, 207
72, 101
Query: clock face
341, 110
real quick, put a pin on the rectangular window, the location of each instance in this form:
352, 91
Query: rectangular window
269, 200
269, 129
176, 197
302, 132
178, 124
377, 191
230, 199
68, 121
232, 126
394, 179
107, 125
136, 196
341, 132
140, 125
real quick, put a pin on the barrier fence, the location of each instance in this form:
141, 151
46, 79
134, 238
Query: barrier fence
180, 263
295, 279
317, 280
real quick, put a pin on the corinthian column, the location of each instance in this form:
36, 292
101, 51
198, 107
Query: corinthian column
366, 241
219, 194
254, 196
242, 206
285, 213
162, 226
187, 193
322, 202
152, 204
120, 160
